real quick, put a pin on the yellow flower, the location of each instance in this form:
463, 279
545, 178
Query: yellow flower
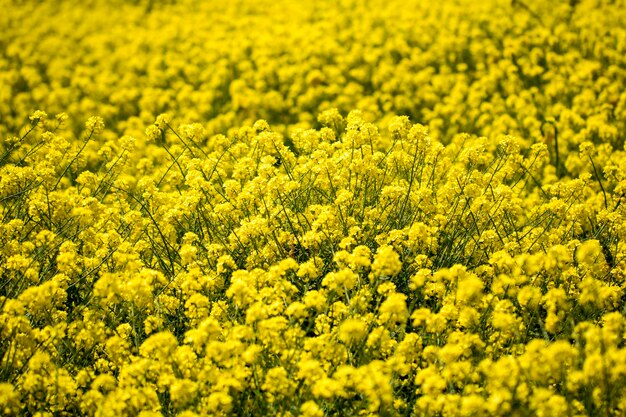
311, 409
37, 116
386, 263
153, 132
182, 391
315, 299
352, 331
277, 383
342, 279
9, 399
394, 310
95, 124
159, 346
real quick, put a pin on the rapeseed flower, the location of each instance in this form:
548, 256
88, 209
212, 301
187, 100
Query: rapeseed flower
327, 210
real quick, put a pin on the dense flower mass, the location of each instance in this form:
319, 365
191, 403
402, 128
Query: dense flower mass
383, 208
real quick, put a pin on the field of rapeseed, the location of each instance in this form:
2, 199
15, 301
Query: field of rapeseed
324, 208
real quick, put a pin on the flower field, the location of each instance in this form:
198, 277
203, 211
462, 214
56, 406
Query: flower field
323, 208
